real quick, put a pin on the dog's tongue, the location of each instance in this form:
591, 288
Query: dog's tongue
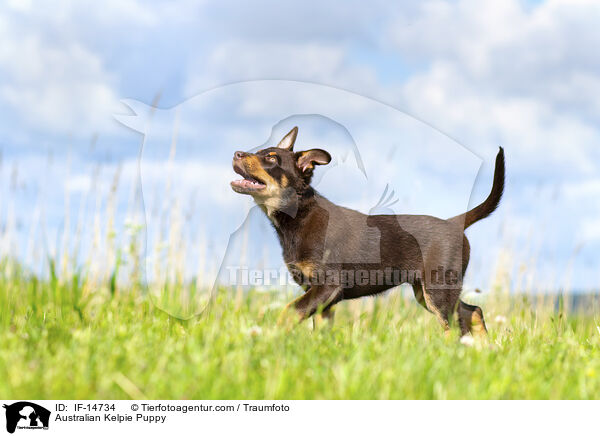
247, 183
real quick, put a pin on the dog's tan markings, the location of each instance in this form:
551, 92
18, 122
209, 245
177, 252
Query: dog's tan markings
255, 169
478, 324
271, 197
432, 307
284, 181
418, 291
302, 272
306, 267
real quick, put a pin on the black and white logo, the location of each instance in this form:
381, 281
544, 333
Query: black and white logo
26, 415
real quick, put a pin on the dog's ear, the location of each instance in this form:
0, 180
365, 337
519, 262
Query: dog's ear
287, 143
306, 160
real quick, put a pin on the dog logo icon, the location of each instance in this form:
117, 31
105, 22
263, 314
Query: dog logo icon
26, 415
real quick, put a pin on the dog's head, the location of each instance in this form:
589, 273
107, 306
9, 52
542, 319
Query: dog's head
276, 175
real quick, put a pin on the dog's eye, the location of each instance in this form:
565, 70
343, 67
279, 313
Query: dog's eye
272, 159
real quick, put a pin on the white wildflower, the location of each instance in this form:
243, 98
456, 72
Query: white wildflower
500, 319
467, 341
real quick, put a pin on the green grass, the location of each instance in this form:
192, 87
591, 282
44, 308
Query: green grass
71, 341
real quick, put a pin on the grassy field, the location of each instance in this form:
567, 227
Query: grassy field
61, 340
80, 326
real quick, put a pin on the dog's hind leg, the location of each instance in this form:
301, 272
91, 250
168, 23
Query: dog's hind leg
470, 319
419, 294
436, 304
442, 303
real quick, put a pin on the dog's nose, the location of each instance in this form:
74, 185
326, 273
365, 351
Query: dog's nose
239, 154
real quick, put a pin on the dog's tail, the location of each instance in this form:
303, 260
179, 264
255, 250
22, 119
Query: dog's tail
490, 204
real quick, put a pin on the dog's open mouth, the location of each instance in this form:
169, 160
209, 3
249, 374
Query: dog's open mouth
246, 185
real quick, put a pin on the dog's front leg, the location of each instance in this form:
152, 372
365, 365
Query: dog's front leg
318, 297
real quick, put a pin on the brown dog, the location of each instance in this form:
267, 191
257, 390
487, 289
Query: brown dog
336, 253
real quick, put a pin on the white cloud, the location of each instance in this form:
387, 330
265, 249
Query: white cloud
589, 188
63, 91
495, 73
311, 20
56, 77
19, 5
486, 73
234, 61
56, 88
501, 75
590, 230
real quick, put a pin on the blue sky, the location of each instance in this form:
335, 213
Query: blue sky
524, 75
